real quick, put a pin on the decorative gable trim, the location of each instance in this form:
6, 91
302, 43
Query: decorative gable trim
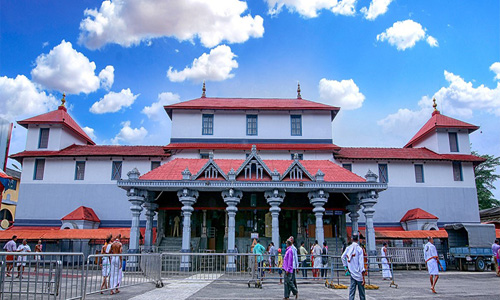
260, 168
296, 170
210, 170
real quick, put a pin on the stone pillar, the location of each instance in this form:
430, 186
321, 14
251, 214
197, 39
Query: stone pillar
299, 225
318, 199
232, 199
150, 214
188, 198
225, 225
204, 226
135, 197
275, 198
368, 201
354, 216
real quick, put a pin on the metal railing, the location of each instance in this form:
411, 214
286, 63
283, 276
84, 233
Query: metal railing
407, 256
47, 275
108, 272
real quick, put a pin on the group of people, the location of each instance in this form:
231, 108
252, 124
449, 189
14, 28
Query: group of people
112, 265
11, 246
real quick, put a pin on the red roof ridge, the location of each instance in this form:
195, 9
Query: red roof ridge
416, 214
82, 213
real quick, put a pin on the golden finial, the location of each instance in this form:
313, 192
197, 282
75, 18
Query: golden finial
299, 96
63, 100
203, 89
434, 105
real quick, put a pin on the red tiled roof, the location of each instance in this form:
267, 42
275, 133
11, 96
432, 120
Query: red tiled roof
417, 213
250, 104
439, 121
59, 116
402, 154
172, 170
82, 213
94, 150
215, 146
413, 234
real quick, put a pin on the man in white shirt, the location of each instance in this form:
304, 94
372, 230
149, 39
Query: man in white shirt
353, 259
432, 260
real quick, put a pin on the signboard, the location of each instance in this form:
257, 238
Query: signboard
339, 212
254, 235
5, 132
329, 213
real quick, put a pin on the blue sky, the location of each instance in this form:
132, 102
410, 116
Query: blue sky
382, 61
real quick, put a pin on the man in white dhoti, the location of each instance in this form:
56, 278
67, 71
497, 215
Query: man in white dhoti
386, 268
353, 258
432, 260
115, 275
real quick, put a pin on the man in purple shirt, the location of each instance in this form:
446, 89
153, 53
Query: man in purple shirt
288, 268
10, 246
495, 248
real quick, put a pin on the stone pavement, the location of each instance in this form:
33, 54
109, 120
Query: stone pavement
412, 285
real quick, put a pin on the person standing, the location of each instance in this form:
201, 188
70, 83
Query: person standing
495, 247
38, 249
353, 259
106, 265
10, 246
21, 259
295, 263
288, 268
324, 260
432, 260
116, 273
303, 259
317, 258
386, 268
280, 264
272, 256
259, 250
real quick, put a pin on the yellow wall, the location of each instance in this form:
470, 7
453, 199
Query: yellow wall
12, 195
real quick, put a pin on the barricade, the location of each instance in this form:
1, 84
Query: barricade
104, 270
43, 275
407, 256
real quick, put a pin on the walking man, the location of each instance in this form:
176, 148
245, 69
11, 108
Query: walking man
353, 259
295, 263
495, 247
116, 273
432, 260
22, 259
259, 250
289, 271
10, 246
272, 257
386, 268
303, 259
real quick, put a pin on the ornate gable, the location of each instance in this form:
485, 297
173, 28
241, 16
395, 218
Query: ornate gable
210, 170
254, 166
296, 171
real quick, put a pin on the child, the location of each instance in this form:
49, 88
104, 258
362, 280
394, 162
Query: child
280, 264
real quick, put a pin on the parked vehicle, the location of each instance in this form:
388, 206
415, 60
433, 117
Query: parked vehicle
470, 245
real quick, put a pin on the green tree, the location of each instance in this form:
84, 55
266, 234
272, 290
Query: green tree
485, 177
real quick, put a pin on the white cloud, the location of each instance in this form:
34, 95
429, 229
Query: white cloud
113, 102
344, 94
128, 22
156, 111
377, 8
495, 67
107, 77
129, 135
90, 132
66, 70
404, 34
215, 66
311, 8
459, 99
20, 98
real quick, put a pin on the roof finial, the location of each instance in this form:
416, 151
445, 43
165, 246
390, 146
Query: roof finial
435, 107
63, 100
203, 89
299, 96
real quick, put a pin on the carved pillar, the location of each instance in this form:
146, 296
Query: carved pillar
299, 225
368, 201
232, 199
318, 199
204, 226
135, 197
188, 198
354, 216
150, 214
274, 199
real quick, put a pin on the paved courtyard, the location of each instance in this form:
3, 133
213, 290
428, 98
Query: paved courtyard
412, 285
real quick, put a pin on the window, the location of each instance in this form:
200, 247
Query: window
300, 155
347, 167
208, 124
80, 170
116, 170
419, 173
251, 124
155, 164
296, 123
43, 140
453, 141
205, 156
457, 171
39, 168
383, 175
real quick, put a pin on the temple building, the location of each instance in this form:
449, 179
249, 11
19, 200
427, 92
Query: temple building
238, 168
